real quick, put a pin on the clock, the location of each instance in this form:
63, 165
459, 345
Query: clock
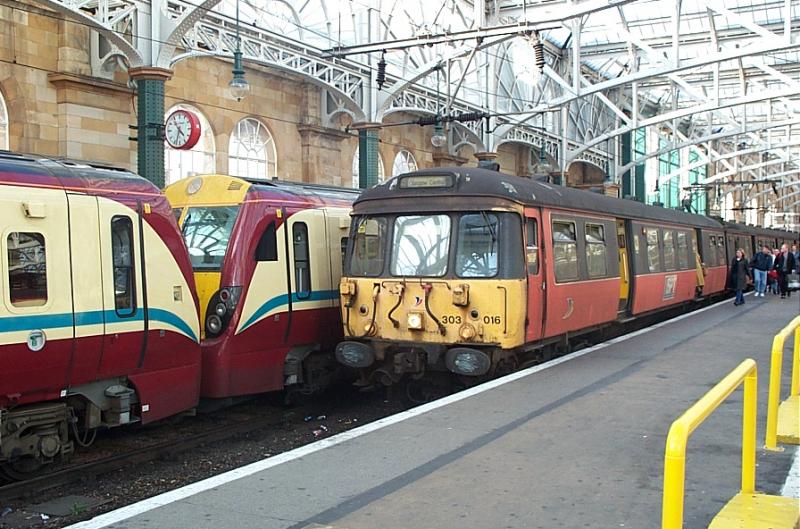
182, 130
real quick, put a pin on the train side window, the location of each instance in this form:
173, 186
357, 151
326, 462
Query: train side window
267, 248
596, 260
27, 269
565, 251
721, 260
669, 250
653, 254
683, 251
302, 270
532, 246
123, 262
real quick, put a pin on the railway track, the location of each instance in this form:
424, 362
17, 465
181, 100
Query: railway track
75, 473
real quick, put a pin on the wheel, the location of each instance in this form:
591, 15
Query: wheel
22, 469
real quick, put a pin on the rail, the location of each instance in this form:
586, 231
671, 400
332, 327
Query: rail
776, 362
682, 428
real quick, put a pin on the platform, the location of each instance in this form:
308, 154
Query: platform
578, 442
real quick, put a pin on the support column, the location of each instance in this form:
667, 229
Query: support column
150, 121
368, 158
487, 160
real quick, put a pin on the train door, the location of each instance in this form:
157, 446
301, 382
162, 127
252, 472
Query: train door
309, 267
536, 296
124, 294
87, 291
624, 268
36, 319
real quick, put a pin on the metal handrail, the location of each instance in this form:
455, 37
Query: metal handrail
682, 428
771, 441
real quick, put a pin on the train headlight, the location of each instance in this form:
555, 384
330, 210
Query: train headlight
220, 309
467, 361
355, 354
415, 320
214, 324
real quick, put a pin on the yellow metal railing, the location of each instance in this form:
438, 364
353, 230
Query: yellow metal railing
682, 428
776, 362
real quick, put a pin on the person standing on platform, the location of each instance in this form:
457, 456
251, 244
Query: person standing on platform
761, 264
796, 254
784, 264
738, 275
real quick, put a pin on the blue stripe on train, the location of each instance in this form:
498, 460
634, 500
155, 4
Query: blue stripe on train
283, 299
93, 317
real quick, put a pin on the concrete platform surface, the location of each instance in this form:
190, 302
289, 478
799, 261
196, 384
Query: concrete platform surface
575, 443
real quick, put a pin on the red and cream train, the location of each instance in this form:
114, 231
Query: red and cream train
99, 318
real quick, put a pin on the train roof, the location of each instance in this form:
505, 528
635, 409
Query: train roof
70, 174
483, 183
225, 189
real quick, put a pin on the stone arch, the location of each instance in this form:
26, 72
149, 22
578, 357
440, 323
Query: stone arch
16, 107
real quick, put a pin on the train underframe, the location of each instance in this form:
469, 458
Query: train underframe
35, 436
398, 362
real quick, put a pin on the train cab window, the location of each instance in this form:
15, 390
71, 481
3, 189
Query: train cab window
369, 246
476, 251
267, 248
207, 231
343, 247
122, 257
653, 254
27, 269
302, 270
596, 260
683, 251
532, 246
177, 212
669, 250
565, 251
421, 245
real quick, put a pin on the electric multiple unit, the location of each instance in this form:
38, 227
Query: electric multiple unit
473, 271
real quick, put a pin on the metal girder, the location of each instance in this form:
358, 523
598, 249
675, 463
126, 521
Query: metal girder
101, 16
545, 18
715, 136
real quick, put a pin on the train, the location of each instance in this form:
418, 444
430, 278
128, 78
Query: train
470, 272
267, 258
123, 304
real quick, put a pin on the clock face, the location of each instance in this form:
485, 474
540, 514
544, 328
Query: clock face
182, 130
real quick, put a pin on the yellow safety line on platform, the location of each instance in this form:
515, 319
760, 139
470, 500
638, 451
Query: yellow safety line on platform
771, 441
675, 453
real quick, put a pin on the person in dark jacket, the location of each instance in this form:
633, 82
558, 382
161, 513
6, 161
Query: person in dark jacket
761, 263
784, 264
739, 273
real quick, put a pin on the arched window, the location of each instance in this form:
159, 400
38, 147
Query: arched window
404, 162
251, 152
200, 159
3, 124
381, 171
